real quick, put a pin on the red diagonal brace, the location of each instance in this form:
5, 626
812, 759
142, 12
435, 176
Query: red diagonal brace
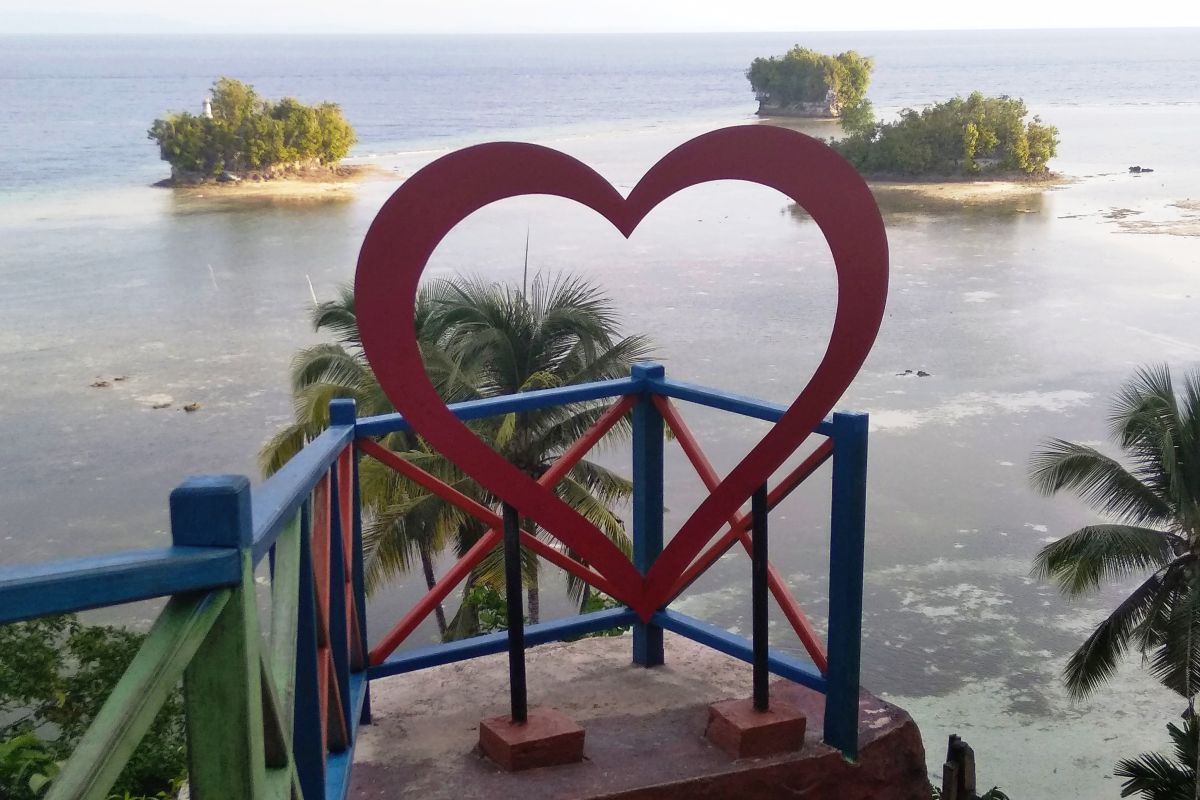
775, 497
738, 525
456, 574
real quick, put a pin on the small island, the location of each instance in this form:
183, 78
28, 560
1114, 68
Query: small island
972, 138
805, 83
240, 136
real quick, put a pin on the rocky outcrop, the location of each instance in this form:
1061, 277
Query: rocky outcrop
829, 108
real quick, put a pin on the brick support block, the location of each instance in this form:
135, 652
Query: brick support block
546, 739
742, 732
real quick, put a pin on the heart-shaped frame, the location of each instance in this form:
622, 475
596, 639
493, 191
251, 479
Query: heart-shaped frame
419, 214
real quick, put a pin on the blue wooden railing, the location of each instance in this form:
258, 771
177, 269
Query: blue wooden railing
276, 713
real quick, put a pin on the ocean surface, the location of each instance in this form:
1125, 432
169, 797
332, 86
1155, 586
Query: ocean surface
1028, 314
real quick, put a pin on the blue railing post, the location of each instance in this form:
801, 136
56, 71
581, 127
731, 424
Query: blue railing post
847, 542
647, 504
344, 413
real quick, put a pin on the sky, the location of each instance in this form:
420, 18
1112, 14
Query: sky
578, 16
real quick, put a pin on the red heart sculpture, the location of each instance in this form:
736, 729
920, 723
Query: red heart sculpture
429, 204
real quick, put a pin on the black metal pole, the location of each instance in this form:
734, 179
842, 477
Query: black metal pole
758, 595
513, 591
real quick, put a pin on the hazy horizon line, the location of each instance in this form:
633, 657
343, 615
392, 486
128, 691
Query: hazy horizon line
376, 33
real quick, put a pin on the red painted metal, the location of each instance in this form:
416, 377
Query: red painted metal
345, 476
433, 201
320, 563
738, 528
460, 570
776, 496
333, 724
564, 561
453, 576
434, 485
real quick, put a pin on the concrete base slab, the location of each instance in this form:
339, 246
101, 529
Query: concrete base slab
547, 738
645, 733
743, 731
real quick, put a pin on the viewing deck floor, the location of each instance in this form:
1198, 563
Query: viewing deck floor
644, 733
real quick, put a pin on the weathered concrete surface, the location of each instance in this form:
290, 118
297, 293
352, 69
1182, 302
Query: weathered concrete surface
645, 733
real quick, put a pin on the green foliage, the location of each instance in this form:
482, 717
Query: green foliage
27, 765
962, 136
859, 118
1156, 777
248, 133
805, 76
490, 611
54, 675
1153, 503
477, 339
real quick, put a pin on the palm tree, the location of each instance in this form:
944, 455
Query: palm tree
564, 332
1152, 531
1156, 777
478, 339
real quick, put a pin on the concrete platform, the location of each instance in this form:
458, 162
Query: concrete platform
645, 733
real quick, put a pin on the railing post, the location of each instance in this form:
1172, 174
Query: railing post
647, 504
308, 732
222, 684
514, 590
758, 592
344, 412
846, 550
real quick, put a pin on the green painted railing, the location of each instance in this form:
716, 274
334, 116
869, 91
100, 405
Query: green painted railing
272, 706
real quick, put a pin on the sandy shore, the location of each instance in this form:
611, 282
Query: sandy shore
319, 186
944, 195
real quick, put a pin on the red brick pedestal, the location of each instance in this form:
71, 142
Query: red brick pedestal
547, 738
738, 729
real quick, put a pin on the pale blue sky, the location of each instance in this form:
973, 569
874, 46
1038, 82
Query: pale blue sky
540, 16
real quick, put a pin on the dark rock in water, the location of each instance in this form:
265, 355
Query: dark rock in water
227, 177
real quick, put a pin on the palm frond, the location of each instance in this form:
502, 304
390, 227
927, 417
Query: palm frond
1099, 480
1081, 561
1155, 777
1097, 658
1176, 659
339, 317
280, 448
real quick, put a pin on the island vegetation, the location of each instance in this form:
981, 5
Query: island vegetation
241, 134
971, 137
805, 83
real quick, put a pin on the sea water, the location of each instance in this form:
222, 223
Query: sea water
1027, 314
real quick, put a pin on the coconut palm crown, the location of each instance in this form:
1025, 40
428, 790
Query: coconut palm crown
478, 339
1151, 502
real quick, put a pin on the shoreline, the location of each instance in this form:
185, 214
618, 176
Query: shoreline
935, 194
313, 185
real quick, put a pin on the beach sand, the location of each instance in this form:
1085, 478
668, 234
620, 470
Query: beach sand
319, 186
948, 195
